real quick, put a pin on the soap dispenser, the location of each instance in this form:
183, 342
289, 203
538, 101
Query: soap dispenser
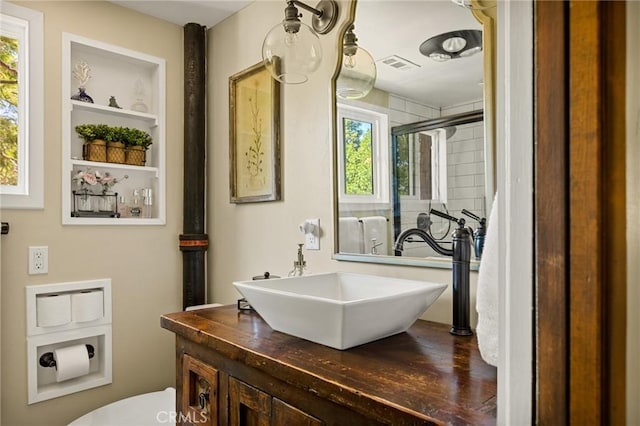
300, 265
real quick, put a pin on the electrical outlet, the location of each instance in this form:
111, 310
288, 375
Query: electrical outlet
312, 239
38, 260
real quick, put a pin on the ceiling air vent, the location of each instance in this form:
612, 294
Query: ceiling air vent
398, 63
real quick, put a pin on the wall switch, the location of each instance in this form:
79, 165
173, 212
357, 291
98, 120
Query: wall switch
311, 229
38, 260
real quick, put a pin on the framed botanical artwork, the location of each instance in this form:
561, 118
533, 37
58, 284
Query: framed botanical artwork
254, 136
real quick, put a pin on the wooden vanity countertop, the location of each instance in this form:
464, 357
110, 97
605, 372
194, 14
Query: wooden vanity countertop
425, 373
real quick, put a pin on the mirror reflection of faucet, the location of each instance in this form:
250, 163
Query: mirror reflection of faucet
374, 246
427, 223
461, 256
479, 234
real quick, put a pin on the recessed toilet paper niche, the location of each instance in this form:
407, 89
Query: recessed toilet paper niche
64, 320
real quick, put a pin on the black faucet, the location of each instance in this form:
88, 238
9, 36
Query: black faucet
479, 234
461, 256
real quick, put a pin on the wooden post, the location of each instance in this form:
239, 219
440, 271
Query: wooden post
551, 214
194, 241
580, 213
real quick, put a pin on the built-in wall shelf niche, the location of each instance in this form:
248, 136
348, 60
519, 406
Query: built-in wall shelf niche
135, 81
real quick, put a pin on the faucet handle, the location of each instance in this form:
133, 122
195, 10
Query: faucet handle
480, 220
470, 214
459, 221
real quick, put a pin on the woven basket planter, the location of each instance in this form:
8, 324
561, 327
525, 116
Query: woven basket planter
96, 150
115, 152
136, 155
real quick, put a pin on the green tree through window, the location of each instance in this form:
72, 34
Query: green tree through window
403, 165
8, 111
358, 157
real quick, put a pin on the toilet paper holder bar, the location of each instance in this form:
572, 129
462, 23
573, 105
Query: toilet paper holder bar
47, 359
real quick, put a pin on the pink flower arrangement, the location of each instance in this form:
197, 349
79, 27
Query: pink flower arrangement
90, 178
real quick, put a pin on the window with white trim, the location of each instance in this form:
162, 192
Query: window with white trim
21, 110
363, 156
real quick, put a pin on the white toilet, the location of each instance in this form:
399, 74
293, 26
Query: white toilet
149, 409
155, 408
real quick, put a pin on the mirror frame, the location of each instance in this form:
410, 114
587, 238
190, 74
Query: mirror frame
485, 14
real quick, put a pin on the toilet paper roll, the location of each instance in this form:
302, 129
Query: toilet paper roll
53, 309
71, 362
87, 306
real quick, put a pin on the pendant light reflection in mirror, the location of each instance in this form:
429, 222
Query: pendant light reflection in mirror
358, 73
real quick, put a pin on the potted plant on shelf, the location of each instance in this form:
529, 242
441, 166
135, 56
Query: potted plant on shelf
115, 144
95, 145
137, 142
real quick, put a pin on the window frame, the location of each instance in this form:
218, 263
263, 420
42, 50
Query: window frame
30, 194
380, 137
439, 178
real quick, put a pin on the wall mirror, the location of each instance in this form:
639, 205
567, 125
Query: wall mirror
423, 136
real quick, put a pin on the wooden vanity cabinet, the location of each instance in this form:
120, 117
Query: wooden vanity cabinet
250, 406
197, 396
241, 396
233, 369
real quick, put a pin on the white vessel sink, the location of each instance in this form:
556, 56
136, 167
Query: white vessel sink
340, 310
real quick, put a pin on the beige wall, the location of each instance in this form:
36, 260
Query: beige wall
249, 239
143, 262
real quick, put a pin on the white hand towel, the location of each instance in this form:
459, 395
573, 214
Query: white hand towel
350, 235
375, 227
487, 294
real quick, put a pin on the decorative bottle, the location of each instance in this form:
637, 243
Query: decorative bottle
147, 203
135, 208
123, 208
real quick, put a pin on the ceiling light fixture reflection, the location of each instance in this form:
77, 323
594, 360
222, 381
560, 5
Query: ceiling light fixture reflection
358, 73
291, 50
452, 45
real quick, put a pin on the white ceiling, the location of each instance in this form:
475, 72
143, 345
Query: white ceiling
181, 12
384, 28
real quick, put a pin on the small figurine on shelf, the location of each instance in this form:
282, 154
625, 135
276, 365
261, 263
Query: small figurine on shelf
82, 74
113, 103
139, 104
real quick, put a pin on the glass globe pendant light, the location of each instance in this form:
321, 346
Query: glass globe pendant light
358, 73
291, 50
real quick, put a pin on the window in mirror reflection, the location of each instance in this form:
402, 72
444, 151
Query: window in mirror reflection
421, 167
363, 142
405, 165
358, 156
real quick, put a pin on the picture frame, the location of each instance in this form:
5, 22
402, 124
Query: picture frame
254, 136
